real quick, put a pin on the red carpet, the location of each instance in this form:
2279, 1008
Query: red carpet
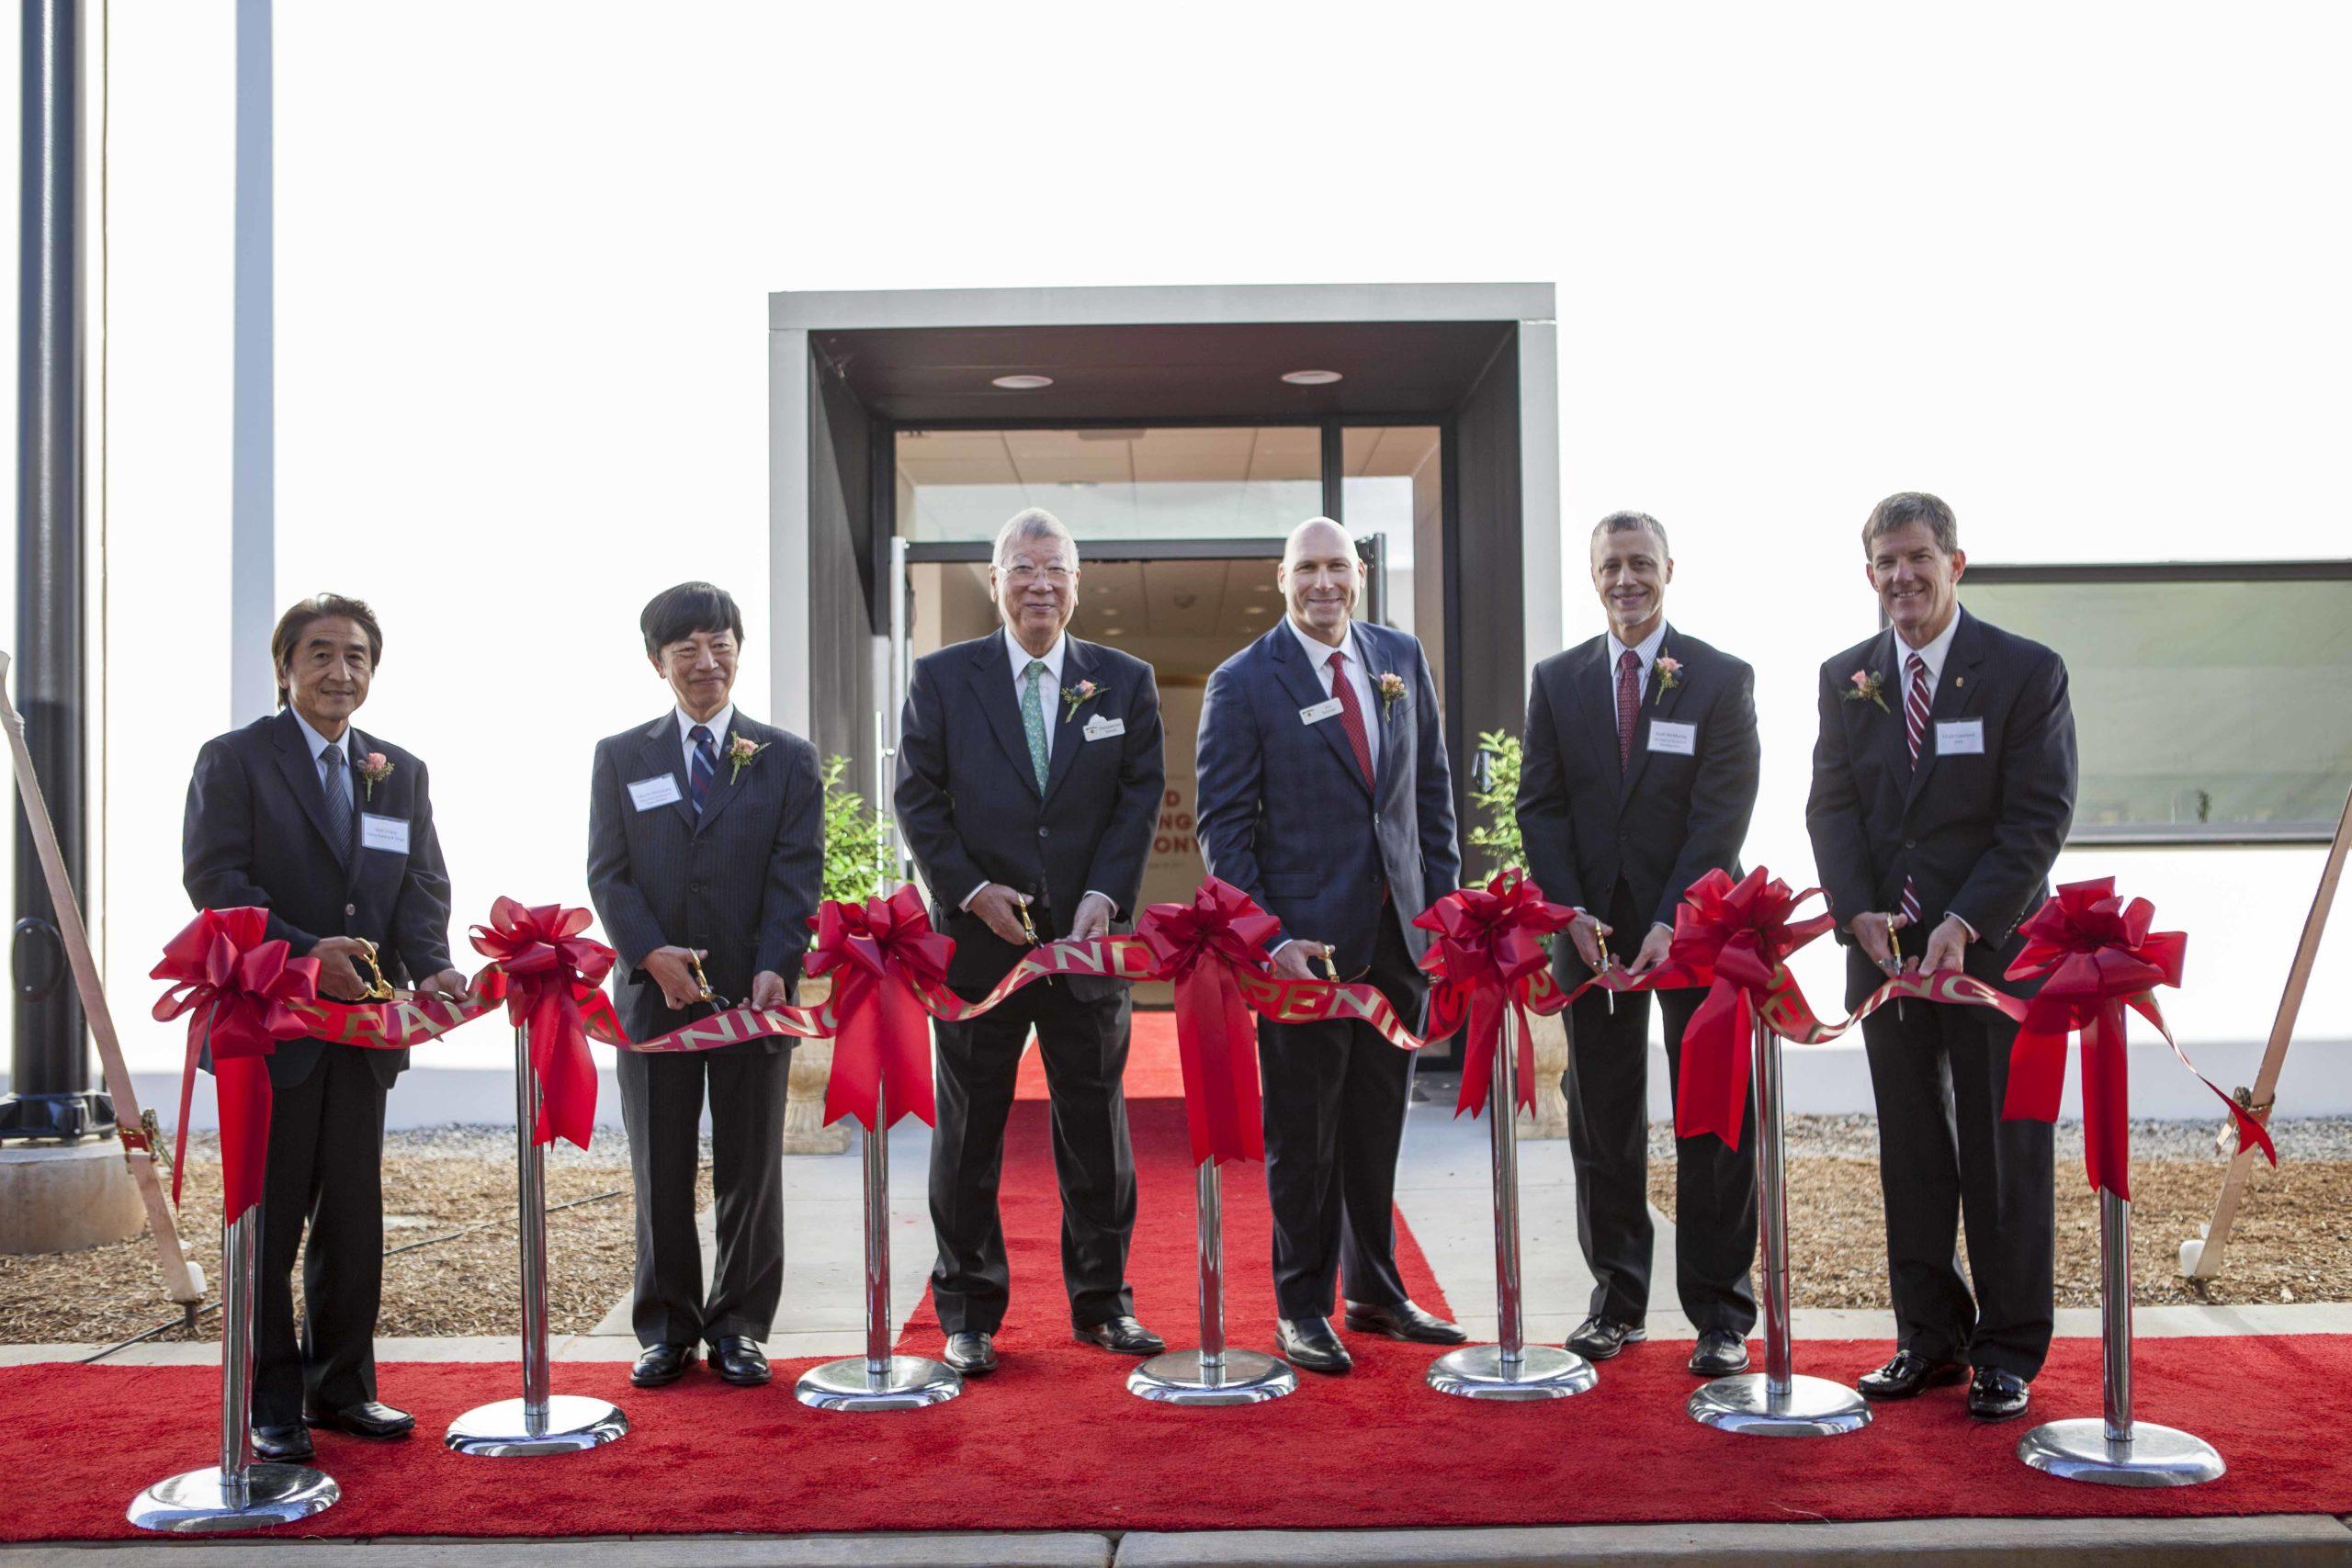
1153, 1071
1053, 1442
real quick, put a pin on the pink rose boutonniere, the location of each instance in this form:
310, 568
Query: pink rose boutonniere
1391, 687
1078, 696
1867, 688
373, 770
739, 753
1669, 675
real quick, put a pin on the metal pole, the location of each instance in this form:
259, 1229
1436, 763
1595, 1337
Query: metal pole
1772, 1211
531, 1221
1211, 1245
241, 1254
50, 1066
877, 1243
2115, 1313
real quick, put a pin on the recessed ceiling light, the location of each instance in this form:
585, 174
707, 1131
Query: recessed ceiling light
1026, 383
1311, 377
1109, 610
1114, 631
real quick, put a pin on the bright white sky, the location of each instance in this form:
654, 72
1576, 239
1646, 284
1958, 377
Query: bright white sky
2077, 267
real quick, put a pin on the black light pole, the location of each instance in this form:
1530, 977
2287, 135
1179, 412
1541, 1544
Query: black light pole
49, 1064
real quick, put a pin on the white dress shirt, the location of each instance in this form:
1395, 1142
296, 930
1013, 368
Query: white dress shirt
1646, 652
1935, 654
717, 723
1318, 656
319, 744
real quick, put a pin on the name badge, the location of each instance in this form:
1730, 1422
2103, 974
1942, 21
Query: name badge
383, 833
1098, 729
1960, 738
1682, 739
661, 789
1319, 712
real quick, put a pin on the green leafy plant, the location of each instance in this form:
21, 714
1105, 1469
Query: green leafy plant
856, 868
1497, 796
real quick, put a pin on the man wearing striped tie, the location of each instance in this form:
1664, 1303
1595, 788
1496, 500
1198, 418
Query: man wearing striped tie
1943, 782
705, 845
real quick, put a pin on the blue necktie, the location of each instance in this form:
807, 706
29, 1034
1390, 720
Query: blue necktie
337, 790
705, 768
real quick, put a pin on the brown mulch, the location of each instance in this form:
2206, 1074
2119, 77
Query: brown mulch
2292, 1241
464, 1279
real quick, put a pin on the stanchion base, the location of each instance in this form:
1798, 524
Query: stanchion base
574, 1424
2157, 1456
1477, 1371
1245, 1377
197, 1502
911, 1383
1812, 1407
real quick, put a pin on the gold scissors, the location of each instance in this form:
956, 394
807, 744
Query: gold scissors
379, 989
1028, 928
1330, 970
703, 993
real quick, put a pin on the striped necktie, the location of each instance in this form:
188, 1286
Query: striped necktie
1915, 729
705, 768
333, 780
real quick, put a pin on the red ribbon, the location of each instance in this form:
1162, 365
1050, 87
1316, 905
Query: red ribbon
2095, 956
1202, 946
551, 975
1734, 938
882, 950
239, 993
1487, 950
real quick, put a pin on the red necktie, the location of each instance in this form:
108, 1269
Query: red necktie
1350, 715
1915, 729
1629, 702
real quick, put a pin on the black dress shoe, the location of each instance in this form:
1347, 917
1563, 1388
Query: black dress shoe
366, 1420
1404, 1321
283, 1445
1996, 1396
658, 1365
1309, 1343
737, 1358
1720, 1354
1123, 1336
970, 1354
1597, 1338
1906, 1375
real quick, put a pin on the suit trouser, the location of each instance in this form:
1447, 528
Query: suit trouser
1335, 1100
325, 1171
1607, 1086
661, 1101
1945, 1158
1082, 1043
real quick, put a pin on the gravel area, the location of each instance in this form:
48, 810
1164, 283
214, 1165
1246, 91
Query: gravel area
451, 1266
2298, 1139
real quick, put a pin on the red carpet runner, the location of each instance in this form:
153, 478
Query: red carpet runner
1053, 1441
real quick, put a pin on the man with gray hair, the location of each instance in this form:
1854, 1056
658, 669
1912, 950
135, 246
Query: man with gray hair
1029, 781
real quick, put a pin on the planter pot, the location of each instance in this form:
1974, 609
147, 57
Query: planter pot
1549, 1038
805, 1132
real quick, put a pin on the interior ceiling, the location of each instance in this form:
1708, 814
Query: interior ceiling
1231, 372
1183, 616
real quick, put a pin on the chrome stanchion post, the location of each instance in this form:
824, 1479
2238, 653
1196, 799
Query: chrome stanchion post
1511, 1368
1213, 1374
541, 1422
879, 1379
1776, 1403
2116, 1450
236, 1495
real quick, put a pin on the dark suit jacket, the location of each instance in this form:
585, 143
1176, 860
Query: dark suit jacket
741, 884
969, 809
1977, 833
1285, 815
256, 833
1664, 820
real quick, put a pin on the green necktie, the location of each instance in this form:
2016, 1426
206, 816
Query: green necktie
1033, 719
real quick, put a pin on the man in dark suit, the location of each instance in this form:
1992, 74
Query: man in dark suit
1029, 781
331, 831
1324, 794
1942, 786
705, 844
1638, 778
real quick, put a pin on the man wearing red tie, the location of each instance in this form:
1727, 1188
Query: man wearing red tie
1943, 782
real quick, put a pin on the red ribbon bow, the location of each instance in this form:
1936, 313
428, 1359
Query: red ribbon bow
1734, 938
1489, 948
551, 975
883, 949
2094, 956
238, 992
1199, 946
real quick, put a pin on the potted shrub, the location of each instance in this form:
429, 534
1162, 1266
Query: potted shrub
1498, 840
857, 869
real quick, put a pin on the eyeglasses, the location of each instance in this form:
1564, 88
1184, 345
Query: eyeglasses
1022, 576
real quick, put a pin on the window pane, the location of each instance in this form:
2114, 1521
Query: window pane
2200, 708
960, 485
1389, 485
